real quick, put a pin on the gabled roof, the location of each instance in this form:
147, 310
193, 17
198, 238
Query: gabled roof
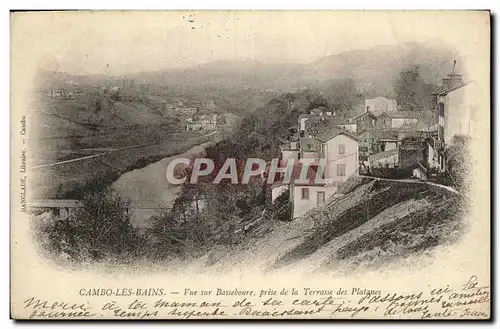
207, 117
380, 98
402, 114
382, 155
446, 91
369, 112
328, 133
377, 113
383, 134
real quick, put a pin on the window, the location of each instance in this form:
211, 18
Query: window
441, 110
340, 169
321, 198
367, 108
341, 149
305, 193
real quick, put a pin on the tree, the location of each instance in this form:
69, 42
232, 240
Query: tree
342, 96
412, 92
100, 229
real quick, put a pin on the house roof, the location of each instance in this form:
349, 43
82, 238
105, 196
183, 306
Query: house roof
380, 98
377, 113
207, 117
382, 155
446, 91
402, 114
326, 133
385, 134
318, 110
356, 110
322, 124
369, 112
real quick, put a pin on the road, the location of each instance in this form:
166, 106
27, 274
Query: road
103, 153
413, 181
65, 203
90, 156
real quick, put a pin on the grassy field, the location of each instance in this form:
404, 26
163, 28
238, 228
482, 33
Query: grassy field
63, 129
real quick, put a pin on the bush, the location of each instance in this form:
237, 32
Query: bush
458, 163
282, 207
99, 230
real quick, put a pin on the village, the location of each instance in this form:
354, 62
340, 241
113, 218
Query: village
384, 141
191, 115
380, 138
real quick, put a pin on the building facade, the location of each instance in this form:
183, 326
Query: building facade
365, 121
456, 109
398, 119
380, 104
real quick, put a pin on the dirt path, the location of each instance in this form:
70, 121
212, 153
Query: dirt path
413, 181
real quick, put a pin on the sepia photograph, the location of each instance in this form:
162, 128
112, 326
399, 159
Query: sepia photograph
250, 165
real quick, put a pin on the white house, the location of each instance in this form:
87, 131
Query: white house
193, 126
290, 151
305, 195
398, 119
208, 122
380, 104
456, 109
187, 110
340, 149
337, 149
204, 122
308, 196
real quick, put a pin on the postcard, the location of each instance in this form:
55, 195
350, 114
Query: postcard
250, 165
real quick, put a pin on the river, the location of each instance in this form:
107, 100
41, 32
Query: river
149, 184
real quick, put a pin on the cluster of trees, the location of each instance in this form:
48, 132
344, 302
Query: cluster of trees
343, 96
100, 230
413, 93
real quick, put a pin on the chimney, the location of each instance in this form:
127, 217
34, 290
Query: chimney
453, 79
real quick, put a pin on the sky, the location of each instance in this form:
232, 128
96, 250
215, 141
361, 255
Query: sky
118, 42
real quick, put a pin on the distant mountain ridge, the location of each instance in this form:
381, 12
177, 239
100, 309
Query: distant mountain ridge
376, 67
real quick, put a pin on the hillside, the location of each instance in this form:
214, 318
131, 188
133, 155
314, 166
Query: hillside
375, 69
368, 223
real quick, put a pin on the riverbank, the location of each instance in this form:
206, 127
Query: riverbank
68, 180
149, 184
